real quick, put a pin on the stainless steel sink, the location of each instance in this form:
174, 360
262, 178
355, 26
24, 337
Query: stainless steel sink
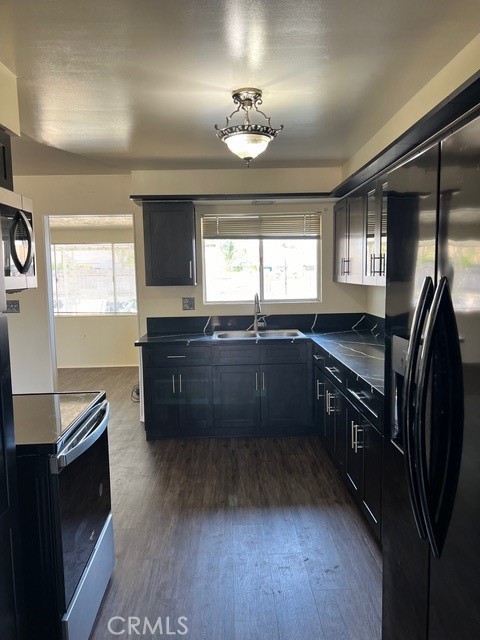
268, 333
280, 333
235, 335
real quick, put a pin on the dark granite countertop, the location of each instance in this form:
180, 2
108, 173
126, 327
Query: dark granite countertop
183, 339
361, 352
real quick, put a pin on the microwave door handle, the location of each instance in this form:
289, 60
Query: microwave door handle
418, 323
437, 497
63, 459
3, 292
21, 217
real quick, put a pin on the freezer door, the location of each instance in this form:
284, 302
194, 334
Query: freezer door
411, 200
455, 583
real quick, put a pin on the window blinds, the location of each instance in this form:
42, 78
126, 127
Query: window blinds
285, 225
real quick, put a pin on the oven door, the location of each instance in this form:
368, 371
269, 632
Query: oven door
83, 484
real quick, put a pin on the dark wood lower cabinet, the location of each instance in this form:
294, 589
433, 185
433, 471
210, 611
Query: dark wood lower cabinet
340, 429
236, 398
260, 397
372, 476
7, 597
354, 455
364, 465
178, 401
286, 398
354, 444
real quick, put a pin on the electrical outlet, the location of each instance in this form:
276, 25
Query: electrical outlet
13, 306
188, 304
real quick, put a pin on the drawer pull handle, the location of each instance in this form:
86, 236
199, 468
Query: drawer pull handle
358, 397
170, 357
331, 371
317, 357
173, 383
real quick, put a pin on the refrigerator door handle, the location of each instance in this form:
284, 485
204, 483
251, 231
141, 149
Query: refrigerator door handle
418, 323
438, 478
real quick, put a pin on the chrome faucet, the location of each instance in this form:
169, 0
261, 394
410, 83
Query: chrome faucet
257, 310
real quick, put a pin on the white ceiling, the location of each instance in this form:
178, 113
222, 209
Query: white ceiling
114, 85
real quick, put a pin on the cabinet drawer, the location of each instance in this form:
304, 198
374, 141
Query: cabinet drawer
283, 354
335, 371
176, 356
236, 354
365, 398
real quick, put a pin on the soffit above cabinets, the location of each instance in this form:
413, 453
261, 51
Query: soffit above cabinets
115, 86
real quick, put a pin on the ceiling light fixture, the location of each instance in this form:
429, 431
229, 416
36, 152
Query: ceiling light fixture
247, 140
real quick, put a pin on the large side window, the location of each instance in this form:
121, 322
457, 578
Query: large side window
94, 278
275, 255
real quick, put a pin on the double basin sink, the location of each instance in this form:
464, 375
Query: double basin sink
255, 335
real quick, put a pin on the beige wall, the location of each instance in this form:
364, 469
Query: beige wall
9, 115
376, 301
236, 181
32, 348
167, 301
96, 341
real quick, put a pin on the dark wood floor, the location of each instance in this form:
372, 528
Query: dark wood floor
248, 538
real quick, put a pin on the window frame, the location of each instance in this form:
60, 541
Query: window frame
80, 314
261, 291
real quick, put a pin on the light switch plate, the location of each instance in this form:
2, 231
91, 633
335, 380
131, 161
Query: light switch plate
13, 306
188, 304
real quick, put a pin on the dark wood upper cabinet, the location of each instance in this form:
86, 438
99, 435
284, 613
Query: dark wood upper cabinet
6, 174
349, 240
169, 236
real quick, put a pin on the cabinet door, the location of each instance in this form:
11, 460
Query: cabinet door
382, 230
330, 400
372, 475
340, 429
340, 218
236, 397
7, 597
6, 175
354, 457
194, 393
354, 263
161, 401
169, 236
285, 397
320, 403
375, 254
371, 240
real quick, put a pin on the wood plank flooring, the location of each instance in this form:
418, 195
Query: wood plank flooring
248, 538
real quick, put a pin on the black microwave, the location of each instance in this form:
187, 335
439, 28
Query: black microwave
18, 244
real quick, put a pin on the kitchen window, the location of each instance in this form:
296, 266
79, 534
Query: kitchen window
94, 278
275, 255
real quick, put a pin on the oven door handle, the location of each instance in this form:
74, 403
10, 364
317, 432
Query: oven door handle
67, 456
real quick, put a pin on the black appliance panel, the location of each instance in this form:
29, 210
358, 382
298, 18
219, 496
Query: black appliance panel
454, 578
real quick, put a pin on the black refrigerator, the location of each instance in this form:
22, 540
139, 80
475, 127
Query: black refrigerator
9, 537
431, 486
